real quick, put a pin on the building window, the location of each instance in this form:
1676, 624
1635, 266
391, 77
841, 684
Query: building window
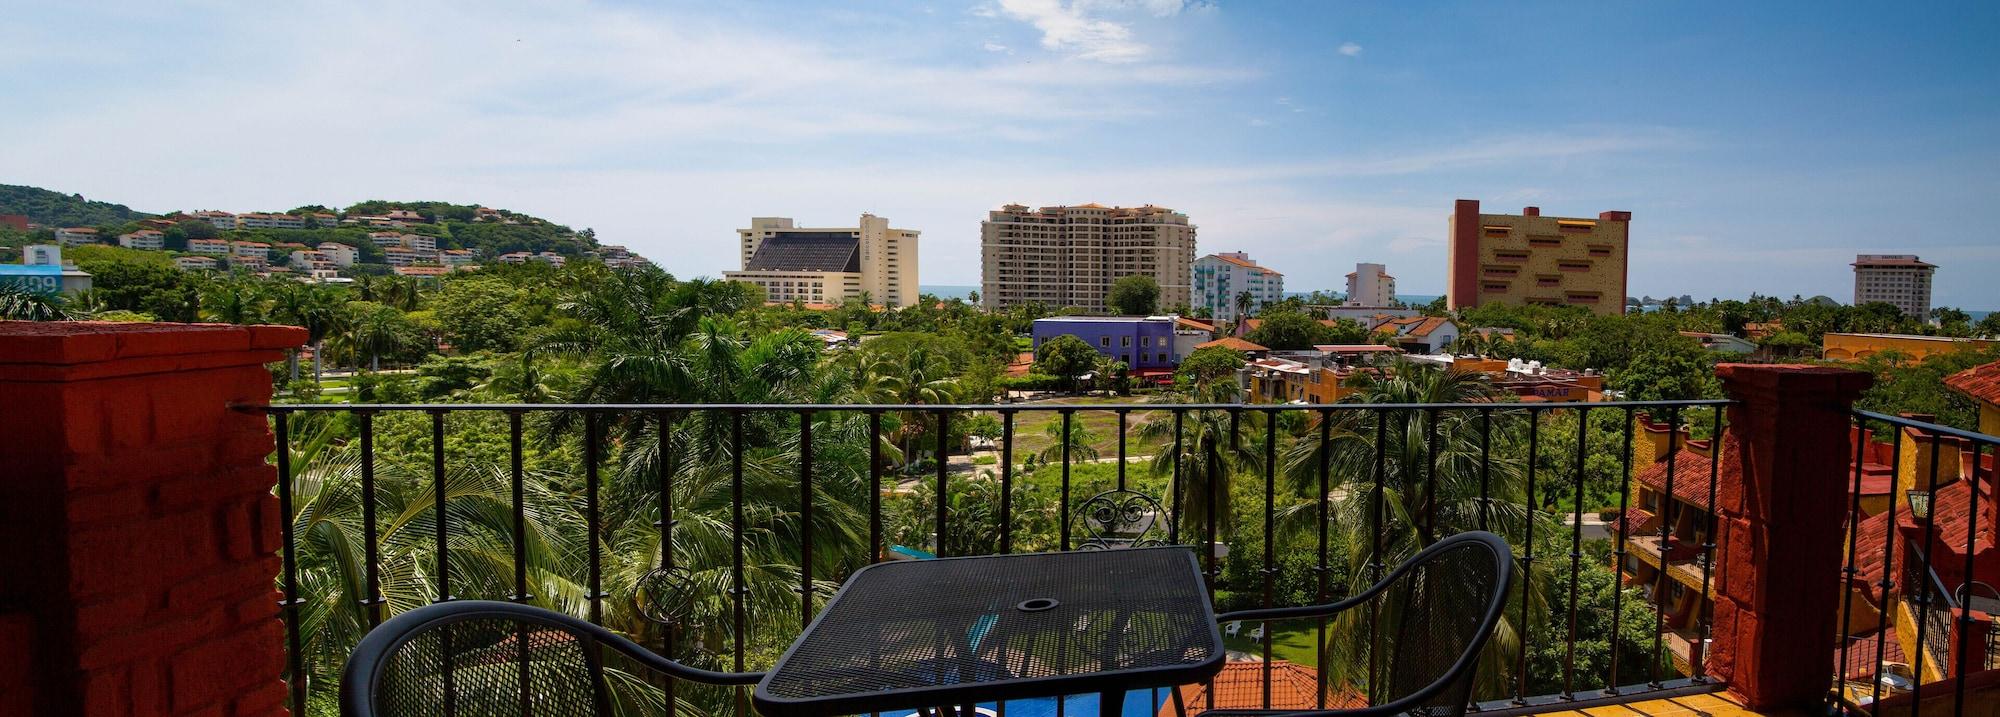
1163, 358
1124, 342
1104, 341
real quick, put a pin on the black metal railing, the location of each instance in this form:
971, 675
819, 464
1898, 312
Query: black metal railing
1320, 479
1913, 535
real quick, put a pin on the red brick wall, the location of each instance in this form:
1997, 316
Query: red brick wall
144, 522
1779, 531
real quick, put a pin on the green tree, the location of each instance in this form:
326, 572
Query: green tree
1136, 294
1066, 357
479, 314
1286, 330
1207, 365
19, 304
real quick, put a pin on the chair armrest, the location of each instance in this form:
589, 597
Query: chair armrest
1284, 613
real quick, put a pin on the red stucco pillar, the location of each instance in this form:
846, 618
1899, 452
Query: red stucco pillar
1781, 519
140, 526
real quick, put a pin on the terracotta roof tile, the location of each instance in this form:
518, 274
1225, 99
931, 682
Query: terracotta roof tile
1691, 474
1980, 382
1240, 685
1232, 342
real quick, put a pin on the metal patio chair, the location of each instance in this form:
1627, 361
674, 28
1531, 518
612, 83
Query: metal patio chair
1432, 615
1120, 519
479, 657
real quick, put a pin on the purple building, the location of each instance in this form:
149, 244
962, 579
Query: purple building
1144, 343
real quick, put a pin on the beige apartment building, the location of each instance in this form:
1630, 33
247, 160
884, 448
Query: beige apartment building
829, 265
1070, 255
1528, 258
1899, 279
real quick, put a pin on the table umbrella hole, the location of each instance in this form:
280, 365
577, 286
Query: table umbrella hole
1036, 604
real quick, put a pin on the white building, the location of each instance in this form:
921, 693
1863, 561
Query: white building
1220, 278
259, 220
152, 239
386, 238
219, 220
1370, 285
1899, 279
250, 248
195, 263
340, 254
208, 246
418, 242
399, 256
76, 236
309, 259
457, 257
549, 257
829, 265
324, 220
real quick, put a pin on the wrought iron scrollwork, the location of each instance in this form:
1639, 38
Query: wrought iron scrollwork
1120, 519
666, 595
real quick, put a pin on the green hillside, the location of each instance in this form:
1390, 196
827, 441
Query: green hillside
63, 210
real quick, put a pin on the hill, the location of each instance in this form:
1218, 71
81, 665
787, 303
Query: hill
63, 210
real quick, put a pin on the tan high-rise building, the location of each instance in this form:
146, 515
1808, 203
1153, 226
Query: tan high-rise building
1898, 279
828, 266
1528, 258
1070, 255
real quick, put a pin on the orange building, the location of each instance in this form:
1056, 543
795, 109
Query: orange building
1528, 258
1982, 385
1854, 347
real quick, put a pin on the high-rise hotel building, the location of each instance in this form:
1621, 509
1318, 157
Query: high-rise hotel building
829, 265
1528, 258
1070, 255
1899, 279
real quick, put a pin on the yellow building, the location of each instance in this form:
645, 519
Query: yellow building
1854, 347
1528, 258
1982, 384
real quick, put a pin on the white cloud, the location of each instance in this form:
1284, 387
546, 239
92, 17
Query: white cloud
1259, 122
1075, 27
1350, 49
995, 47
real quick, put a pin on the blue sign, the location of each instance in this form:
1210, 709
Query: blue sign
35, 278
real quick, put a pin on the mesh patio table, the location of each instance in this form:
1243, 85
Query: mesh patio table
954, 632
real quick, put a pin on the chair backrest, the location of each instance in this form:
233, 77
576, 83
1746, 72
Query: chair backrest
1119, 519
478, 657
1432, 617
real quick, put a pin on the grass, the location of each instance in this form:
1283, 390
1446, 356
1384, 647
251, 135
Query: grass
1294, 643
1030, 438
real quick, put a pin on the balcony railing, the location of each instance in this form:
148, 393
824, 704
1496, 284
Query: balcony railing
1918, 558
689, 523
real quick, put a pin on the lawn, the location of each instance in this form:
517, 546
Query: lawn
1291, 640
1030, 438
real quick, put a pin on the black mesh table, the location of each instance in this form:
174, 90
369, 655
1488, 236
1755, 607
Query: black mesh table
954, 632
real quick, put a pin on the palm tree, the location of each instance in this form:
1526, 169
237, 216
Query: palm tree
233, 302
1399, 481
1214, 446
19, 304
1243, 303
1079, 439
915, 377
313, 309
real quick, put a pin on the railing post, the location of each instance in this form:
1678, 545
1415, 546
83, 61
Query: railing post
140, 528
1781, 502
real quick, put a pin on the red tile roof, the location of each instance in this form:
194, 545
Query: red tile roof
1231, 342
1193, 324
1240, 685
1861, 654
1244, 264
1691, 474
1949, 511
1982, 383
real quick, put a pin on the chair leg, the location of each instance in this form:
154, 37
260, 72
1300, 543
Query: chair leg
1180, 703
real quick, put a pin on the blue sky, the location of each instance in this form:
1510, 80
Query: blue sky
1759, 146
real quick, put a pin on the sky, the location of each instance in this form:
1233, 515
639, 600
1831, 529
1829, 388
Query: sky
1759, 146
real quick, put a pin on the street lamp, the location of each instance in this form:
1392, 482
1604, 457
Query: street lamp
1920, 504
